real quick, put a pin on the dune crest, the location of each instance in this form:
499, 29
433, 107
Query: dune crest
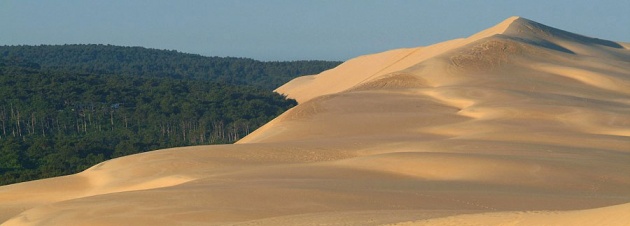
519, 124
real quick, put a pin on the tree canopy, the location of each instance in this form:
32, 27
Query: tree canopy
139, 61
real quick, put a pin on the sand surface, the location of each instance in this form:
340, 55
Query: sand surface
519, 124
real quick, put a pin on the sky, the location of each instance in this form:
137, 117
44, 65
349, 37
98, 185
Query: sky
284, 30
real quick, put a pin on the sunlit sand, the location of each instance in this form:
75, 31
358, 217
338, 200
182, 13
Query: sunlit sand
519, 124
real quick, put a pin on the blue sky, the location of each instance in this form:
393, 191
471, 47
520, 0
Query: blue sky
290, 29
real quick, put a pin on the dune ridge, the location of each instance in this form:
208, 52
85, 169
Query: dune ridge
519, 124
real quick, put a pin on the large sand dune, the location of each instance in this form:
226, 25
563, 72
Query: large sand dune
519, 124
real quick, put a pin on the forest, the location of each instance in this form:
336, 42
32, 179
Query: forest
62, 118
138, 61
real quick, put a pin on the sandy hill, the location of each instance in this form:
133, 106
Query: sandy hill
519, 124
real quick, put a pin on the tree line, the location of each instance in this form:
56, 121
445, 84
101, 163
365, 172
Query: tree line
139, 61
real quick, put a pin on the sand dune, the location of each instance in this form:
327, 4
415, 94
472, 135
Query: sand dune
519, 124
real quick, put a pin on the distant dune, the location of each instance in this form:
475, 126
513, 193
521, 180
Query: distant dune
519, 124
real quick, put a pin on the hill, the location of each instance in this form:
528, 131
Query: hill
518, 124
138, 61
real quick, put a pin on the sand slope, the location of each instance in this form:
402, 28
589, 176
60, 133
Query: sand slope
615, 215
519, 124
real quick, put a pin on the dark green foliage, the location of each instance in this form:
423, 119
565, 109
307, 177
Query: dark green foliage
59, 117
138, 61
